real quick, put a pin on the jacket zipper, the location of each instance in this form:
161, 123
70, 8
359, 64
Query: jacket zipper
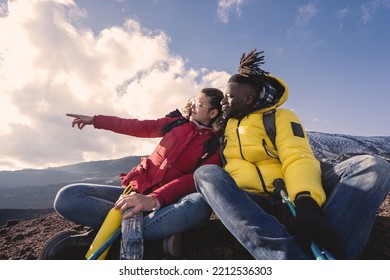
242, 155
268, 151
238, 138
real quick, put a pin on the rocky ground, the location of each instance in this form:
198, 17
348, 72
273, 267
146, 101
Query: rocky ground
23, 240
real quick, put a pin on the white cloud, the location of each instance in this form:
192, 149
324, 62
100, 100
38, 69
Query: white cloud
342, 13
306, 13
369, 9
49, 67
318, 44
300, 28
316, 120
225, 7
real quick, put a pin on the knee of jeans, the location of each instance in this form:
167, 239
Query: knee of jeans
381, 167
203, 174
195, 198
205, 170
376, 171
373, 164
64, 197
200, 204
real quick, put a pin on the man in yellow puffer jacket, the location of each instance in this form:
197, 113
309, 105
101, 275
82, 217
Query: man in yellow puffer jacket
242, 193
253, 161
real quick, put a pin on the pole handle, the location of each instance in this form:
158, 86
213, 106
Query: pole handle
280, 187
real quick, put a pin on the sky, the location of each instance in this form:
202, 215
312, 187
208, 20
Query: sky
142, 59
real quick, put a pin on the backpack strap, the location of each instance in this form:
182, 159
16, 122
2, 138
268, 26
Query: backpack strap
270, 125
168, 127
174, 114
210, 147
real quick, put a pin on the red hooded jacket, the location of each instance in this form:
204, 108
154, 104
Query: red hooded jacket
167, 173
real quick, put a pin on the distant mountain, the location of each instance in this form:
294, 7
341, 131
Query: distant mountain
9, 215
334, 148
36, 189
105, 171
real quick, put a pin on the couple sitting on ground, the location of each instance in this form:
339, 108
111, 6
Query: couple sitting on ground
179, 185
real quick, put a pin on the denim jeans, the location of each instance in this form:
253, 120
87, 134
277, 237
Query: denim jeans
355, 189
88, 205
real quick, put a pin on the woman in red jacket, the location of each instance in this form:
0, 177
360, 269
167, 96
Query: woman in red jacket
163, 183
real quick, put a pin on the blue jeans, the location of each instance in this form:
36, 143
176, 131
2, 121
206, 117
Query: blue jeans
355, 189
88, 205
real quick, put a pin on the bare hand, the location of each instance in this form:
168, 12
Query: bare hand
80, 120
137, 201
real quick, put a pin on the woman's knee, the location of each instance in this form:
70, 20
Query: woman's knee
196, 200
65, 196
199, 205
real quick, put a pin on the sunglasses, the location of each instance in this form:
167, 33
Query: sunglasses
197, 104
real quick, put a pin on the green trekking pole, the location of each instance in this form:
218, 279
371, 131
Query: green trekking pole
317, 252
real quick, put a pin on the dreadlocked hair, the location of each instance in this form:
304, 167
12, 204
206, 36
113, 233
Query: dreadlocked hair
250, 64
250, 71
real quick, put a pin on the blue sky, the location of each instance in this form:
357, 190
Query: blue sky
142, 59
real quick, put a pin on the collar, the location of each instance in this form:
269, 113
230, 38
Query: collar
200, 125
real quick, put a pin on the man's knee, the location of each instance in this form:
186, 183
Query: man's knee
206, 176
372, 163
206, 170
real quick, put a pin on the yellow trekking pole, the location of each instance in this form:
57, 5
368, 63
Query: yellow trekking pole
108, 232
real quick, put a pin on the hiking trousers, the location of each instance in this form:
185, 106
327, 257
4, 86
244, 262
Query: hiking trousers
88, 205
355, 190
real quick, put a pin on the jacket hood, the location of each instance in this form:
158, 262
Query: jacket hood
281, 91
274, 94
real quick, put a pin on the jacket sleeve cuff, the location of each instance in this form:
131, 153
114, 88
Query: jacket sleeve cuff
158, 206
94, 122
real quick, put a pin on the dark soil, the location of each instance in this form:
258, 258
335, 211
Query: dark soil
23, 240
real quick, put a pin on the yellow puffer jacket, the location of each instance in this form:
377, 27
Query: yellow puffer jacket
253, 161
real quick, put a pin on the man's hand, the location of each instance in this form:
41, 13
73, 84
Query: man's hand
310, 224
80, 120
